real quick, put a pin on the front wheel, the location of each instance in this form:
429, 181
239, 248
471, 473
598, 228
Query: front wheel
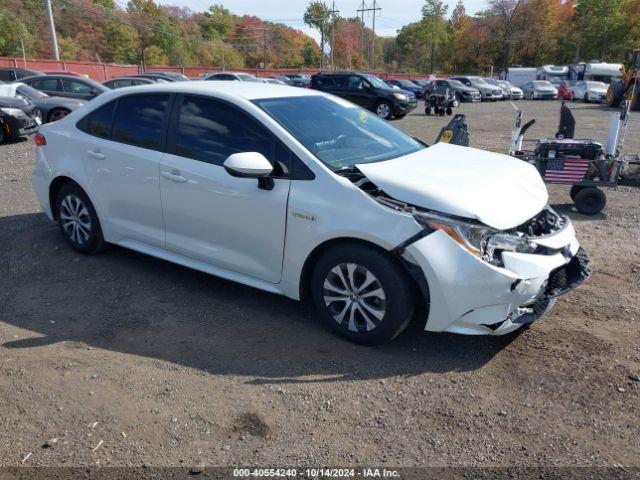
78, 220
384, 110
363, 294
586, 98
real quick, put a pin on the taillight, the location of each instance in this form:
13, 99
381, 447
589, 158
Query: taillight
40, 140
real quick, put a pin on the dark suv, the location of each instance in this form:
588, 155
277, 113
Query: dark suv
368, 91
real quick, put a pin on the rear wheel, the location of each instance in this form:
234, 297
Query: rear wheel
427, 111
362, 294
384, 110
78, 220
590, 200
57, 114
585, 99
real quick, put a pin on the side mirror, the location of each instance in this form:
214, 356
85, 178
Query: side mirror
251, 165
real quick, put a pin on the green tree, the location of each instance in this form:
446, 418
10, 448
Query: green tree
218, 22
318, 16
12, 30
601, 29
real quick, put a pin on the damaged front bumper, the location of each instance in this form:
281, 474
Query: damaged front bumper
467, 295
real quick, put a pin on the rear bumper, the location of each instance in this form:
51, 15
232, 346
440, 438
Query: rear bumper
472, 297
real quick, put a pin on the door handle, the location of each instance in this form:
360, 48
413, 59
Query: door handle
96, 155
174, 176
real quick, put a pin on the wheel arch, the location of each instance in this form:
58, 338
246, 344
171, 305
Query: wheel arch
57, 183
315, 255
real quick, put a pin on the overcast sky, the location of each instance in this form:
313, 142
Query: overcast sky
394, 14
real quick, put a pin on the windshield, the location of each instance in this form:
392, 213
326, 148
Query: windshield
478, 81
490, 81
598, 85
542, 83
406, 83
247, 78
375, 81
30, 92
456, 83
337, 132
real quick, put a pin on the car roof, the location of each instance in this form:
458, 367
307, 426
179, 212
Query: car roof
244, 90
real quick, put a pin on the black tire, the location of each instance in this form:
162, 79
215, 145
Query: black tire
73, 204
384, 109
395, 310
615, 93
590, 201
427, 111
57, 114
585, 99
3, 133
574, 191
449, 111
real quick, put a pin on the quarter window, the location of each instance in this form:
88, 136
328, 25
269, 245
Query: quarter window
210, 131
98, 122
50, 84
139, 119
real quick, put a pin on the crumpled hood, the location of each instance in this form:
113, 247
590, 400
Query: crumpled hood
498, 190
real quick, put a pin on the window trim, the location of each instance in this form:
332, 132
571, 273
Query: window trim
171, 136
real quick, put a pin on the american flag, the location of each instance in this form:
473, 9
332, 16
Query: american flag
566, 170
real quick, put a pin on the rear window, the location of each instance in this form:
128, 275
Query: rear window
139, 120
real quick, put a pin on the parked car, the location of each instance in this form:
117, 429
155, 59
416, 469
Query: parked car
505, 92
314, 198
154, 77
487, 92
512, 92
565, 90
171, 76
122, 82
18, 118
461, 91
50, 108
232, 76
61, 72
368, 91
274, 81
13, 74
302, 82
540, 90
589, 91
407, 85
66, 86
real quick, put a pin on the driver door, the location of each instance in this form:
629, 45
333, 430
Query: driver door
214, 217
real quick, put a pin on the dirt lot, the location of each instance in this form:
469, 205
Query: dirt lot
160, 365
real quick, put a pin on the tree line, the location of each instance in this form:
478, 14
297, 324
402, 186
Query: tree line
506, 32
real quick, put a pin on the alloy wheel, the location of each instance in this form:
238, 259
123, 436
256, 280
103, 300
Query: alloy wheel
354, 297
383, 110
75, 219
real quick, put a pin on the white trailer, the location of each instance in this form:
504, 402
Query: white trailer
553, 73
518, 76
596, 71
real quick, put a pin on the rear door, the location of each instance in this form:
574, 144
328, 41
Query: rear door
122, 149
49, 85
210, 215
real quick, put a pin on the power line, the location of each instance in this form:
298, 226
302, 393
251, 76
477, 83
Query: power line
361, 10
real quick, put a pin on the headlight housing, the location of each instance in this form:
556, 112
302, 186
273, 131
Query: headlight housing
480, 240
401, 96
14, 112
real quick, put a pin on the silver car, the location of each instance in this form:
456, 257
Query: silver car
513, 92
540, 90
589, 91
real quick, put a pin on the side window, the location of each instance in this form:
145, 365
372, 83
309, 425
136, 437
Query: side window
73, 86
139, 119
5, 75
210, 131
356, 83
51, 84
98, 122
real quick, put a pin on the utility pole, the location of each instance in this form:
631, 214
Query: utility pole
52, 30
361, 33
333, 31
373, 9
264, 48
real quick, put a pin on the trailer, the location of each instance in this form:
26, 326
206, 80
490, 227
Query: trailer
596, 71
555, 74
519, 76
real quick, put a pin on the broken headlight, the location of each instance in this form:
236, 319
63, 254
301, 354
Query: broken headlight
480, 240
470, 236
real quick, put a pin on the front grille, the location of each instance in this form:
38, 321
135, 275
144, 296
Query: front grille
569, 276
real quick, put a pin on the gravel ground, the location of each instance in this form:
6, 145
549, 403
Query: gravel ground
129, 361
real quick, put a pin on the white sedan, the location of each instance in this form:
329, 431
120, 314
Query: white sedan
303, 194
589, 91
